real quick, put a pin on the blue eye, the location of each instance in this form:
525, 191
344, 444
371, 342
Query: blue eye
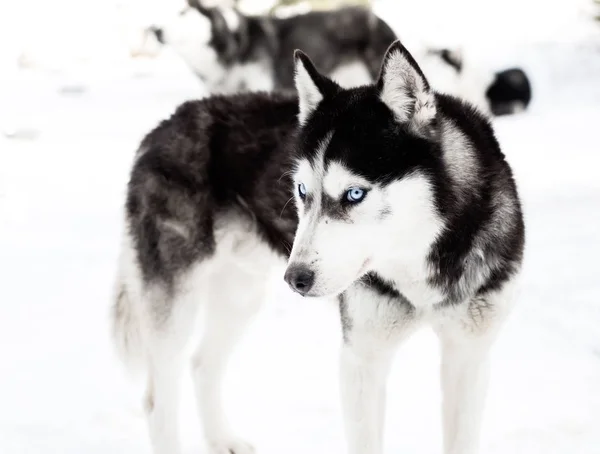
355, 195
302, 191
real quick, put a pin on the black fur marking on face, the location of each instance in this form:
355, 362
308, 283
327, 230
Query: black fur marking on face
334, 209
308, 200
379, 150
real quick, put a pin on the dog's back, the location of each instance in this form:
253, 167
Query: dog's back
214, 160
335, 39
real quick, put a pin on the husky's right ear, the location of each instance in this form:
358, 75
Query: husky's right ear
311, 86
404, 89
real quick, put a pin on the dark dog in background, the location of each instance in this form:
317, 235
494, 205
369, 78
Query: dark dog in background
232, 52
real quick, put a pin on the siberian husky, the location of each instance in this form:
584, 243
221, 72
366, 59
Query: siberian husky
405, 211
233, 52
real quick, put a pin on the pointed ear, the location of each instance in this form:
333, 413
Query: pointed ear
312, 87
404, 89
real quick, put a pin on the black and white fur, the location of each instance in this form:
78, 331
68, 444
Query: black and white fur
405, 210
233, 52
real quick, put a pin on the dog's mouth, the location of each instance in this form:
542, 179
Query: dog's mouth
361, 272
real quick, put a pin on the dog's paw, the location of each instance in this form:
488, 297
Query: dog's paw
230, 445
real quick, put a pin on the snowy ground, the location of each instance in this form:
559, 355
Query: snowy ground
61, 190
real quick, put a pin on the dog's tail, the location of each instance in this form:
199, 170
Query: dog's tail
127, 330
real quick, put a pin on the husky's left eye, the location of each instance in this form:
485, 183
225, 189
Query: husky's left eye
355, 195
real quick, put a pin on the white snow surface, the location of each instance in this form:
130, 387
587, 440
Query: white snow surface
68, 138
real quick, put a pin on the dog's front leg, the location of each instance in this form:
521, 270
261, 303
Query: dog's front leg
373, 327
467, 336
465, 370
363, 381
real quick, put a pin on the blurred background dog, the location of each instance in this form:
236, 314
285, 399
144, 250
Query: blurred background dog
231, 52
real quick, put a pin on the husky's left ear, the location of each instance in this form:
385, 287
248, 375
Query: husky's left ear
404, 89
312, 87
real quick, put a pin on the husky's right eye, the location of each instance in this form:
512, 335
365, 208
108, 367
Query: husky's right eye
302, 191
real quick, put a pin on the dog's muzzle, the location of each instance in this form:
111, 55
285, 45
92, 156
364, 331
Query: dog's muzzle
300, 278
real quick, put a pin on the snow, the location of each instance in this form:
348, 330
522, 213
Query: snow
69, 137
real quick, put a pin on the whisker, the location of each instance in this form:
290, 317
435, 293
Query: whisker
286, 204
289, 172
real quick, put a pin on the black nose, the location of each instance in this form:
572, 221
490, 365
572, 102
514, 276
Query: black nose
158, 33
300, 278
511, 88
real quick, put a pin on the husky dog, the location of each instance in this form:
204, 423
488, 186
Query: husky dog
406, 211
232, 52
